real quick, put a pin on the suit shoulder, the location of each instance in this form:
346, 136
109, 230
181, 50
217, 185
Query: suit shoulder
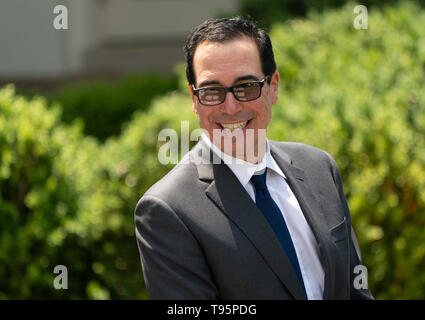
298, 149
178, 180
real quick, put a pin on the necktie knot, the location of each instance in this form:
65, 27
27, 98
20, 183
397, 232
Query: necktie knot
259, 181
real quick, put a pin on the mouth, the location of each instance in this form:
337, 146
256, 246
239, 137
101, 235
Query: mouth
235, 125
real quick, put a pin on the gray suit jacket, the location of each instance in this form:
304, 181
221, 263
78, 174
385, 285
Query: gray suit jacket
200, 235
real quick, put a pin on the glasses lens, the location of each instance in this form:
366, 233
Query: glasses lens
211, 96
247, 91
243, 92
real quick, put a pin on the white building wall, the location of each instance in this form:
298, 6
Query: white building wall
101, 34
29, 45
153, 19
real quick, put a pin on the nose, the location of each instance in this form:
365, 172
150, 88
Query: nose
231, 105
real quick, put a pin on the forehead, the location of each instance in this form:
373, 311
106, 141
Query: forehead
226, 61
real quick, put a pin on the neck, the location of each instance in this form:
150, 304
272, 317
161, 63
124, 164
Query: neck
253, 155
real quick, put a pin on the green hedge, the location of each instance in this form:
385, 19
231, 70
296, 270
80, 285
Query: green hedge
59, 206
269, 12
104, 105
359, 94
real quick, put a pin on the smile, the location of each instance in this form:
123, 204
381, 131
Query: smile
234, 126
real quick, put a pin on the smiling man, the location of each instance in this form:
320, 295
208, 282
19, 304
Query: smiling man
235, 66
267, 221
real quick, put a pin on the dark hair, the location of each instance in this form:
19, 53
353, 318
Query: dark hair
225, 29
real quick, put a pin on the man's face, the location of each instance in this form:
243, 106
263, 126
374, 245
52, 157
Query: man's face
227, 64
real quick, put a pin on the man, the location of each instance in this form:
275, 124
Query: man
267, 221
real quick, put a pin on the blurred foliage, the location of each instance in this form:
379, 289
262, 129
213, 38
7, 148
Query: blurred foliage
268, 12
359, 94
103, 106
59, 206
133, 157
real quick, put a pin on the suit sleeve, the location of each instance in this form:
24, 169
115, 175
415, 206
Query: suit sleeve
173, 263
355, 255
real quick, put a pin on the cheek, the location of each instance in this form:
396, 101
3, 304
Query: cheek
204, 116
263, 110
267, 108
264, 116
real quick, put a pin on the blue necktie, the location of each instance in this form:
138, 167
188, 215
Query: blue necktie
276, 220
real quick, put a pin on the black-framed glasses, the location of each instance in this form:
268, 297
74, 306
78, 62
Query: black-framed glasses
246, 91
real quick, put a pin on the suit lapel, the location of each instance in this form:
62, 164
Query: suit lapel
233, 200
312, 210
228, 194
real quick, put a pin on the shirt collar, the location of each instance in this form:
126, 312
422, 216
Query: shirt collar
244, 170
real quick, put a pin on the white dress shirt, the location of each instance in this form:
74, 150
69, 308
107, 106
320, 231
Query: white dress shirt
304, 241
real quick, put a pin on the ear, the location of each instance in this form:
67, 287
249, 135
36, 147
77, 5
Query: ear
274, 86
193, 99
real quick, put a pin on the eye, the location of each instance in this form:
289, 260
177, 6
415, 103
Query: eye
212, 90
239, 91
249, 84
210, 94
247, 90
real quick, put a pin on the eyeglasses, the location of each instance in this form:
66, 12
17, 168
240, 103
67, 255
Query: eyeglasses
247, 91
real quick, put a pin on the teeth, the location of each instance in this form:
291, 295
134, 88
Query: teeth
234, 126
